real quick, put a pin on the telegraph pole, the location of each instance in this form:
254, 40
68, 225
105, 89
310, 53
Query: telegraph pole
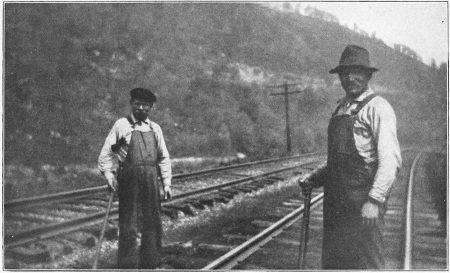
286, 106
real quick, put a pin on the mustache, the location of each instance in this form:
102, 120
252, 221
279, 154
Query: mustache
140, 115
354, 84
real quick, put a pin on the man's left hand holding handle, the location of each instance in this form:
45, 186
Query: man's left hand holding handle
112, 181
167, 192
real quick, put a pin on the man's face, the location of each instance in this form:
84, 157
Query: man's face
140, 109
354, 80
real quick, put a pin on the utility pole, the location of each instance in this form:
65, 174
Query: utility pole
286, 105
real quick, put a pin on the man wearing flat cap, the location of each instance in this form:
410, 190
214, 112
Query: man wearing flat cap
363, 161
138, 144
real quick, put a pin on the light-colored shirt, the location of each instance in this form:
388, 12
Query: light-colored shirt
123, 128
375, 133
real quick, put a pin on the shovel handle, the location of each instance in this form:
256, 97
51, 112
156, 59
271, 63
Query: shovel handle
102, 232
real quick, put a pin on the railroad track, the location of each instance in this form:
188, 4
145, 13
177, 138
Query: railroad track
34, 219
264, 234
426, 241
76, 194
415, 236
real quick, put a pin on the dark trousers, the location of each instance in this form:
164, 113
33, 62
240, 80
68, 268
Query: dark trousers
348, 244
139, 200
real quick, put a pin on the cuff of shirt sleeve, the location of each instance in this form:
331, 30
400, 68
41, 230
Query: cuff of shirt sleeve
376, 198
108, 171
167, 182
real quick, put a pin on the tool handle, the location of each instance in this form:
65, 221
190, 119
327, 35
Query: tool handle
304, 231
102, 232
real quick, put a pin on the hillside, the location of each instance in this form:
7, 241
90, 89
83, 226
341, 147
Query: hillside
69, 67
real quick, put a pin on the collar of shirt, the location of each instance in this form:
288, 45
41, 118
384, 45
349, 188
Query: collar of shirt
347, 102
146, 121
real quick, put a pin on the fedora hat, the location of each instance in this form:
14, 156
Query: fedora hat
354, 55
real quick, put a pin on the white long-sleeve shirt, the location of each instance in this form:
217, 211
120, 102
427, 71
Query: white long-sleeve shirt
375, 134
123, 128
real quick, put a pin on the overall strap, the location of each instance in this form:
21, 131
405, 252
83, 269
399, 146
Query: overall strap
121, 142
363, 103
336, 111
130, 120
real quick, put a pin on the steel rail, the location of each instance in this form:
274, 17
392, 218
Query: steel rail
67, 195
52, 230
232, 258
70, 195
408, 256
244, 165
239, 181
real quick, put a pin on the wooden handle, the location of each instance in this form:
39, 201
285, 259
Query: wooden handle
102, 232
304, 232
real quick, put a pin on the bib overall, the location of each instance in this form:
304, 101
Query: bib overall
347, 243
139, 202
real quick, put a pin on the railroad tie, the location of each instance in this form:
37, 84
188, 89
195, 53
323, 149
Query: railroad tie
186, 261
248, 186
76, 237
236, 238
299, 200
215, 247
31, 218
221, 199
244, 189
111, 231
185, 208
262, 224
31, 254
267, 181
177, 248
73, 208
257, 184
225, 194
206, 201
172, 213
195, 203
251, 267
96, 203
276, 178
283, 241
292, 204
230, 190
283, 210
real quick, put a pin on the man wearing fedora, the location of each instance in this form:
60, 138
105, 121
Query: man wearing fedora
138, 144
363, 161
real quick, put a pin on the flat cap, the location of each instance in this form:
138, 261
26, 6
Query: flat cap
143, 94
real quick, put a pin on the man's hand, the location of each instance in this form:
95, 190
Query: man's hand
369, 213
306, 184
112, 181
167, 192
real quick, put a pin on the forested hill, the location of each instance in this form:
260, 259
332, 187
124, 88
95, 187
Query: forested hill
69, 67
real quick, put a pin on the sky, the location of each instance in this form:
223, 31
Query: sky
422, 26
